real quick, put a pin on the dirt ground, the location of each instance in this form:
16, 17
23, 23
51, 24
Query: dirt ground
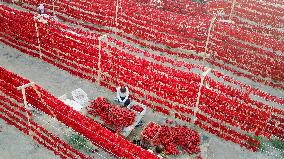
15, 145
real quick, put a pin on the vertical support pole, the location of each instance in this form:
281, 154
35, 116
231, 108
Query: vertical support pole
145, 95
99, 62
204, 150
26, 106
53, 7
23, 89
209, 33
116, 12
37, 35
208, 38
100, 56
232, 9
196, 109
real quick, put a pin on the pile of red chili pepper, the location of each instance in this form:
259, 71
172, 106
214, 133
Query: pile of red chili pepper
172, 138
188, 139
150, 131
113, 115
137, 108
